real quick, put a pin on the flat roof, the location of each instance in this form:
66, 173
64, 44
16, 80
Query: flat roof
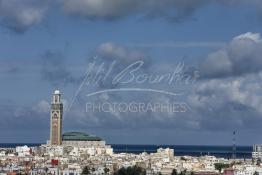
79, 136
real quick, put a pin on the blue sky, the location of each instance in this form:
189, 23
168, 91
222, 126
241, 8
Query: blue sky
48, 45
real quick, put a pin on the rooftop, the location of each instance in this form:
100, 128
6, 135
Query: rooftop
79, 136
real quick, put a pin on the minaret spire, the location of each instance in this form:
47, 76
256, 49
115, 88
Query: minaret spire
56, 119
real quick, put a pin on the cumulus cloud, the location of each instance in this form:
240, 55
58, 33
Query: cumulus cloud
113, 57
229, 96
227, 103
241, 56
174, 10
171, 10
120, 53
20, 15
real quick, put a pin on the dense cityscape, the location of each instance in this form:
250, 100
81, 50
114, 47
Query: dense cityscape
64, 160
77, 153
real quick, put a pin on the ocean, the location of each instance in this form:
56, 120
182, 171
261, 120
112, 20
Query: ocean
179, 150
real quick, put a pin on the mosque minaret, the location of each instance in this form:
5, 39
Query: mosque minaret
56, 119
69, 138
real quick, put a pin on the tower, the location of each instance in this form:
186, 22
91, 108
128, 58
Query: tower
56, 119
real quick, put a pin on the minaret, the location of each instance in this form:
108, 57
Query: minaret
56, 119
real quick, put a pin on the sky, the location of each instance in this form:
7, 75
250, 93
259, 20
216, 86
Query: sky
213, 47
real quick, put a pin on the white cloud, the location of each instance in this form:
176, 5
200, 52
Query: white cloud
249, 36
20, 15
240, 56
118, 52
171, 10
115, 9
235, 101
99, 8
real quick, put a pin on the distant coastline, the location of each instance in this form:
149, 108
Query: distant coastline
179, 150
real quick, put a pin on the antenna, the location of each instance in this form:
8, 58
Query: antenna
234, 145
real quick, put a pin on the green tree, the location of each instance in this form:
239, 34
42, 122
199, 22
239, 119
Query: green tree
174, 172
182, 172
255, 173
258, 162
85, 171
183, 158
134, 170
220, 166
106, 170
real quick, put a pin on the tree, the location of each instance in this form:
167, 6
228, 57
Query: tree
258, 162
134, 170
183, 158
255, 173
182, 172
106, 170
174, 172
253, 161
85, 171
220, 166
46, 169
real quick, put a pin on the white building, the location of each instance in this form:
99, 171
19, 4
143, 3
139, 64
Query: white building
23, 151
257, 152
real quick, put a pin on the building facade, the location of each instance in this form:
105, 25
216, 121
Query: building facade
56, 119
257, 152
